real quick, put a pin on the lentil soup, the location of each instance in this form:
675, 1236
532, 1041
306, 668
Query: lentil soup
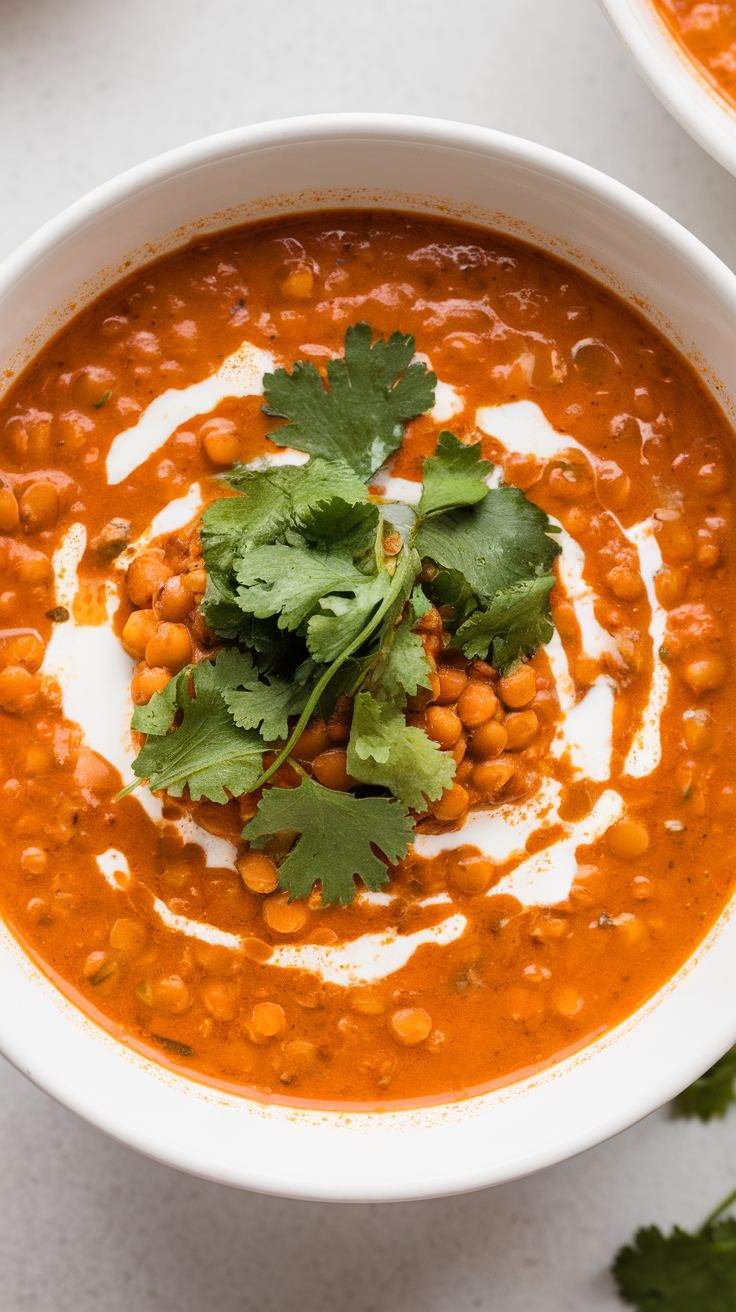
580, 850
707, 34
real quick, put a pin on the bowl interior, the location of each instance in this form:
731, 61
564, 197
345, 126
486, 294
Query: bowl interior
683, 89
629, 246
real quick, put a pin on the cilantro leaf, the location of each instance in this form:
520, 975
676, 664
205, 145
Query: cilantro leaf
450, 593
372, 393
329, 634
207, 752
301, 486
266, 706
338, 834
383, 749
353, 526
419, 603
712, 1094
453, 476
679, 1272
271, 500
230, 523
498, 542
290, 580
158, 716
223, 614
406, 667
513, 626
220, 608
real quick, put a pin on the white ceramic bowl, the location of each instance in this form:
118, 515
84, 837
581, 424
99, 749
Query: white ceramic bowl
674, 78
530, 192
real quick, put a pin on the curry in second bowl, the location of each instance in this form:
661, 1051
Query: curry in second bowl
706, 33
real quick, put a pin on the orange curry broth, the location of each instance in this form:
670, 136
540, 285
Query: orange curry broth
499, 320
707, 34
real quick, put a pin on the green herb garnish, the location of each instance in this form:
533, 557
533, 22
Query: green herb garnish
207, 752
712, 1094
681, 1272
299, 577
337, 833
372, 393
178, 1049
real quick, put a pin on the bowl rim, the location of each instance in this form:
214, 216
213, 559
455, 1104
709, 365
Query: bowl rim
675, 79
664, 1080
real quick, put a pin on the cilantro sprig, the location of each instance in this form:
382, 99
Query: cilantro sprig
302, 581
337, 835
712, 1094
207, 752
681, 1272
373, 392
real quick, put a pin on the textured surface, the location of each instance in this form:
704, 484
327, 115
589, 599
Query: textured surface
88, 88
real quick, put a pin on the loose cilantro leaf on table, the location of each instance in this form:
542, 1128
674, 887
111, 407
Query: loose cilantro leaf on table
383, 749
712, 1094
514, 624
207, 752
681, 1272
454, 476
373, 392
338, 833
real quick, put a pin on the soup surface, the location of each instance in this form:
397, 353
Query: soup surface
578, 850
707, 33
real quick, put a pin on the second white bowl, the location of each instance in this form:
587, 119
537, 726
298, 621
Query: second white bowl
674, 78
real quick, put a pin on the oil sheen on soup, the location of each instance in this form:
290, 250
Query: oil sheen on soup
578, 851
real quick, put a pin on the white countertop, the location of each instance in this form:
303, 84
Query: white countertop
88, 88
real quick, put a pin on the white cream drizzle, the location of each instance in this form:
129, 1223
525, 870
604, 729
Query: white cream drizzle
587, 731
196, 928
547, 877
397, 489
362, 961
597, 641
645, 752
176, 515
241, 374
448, 402
499, 833
522, 427
368, 958
75, 656
114, 867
